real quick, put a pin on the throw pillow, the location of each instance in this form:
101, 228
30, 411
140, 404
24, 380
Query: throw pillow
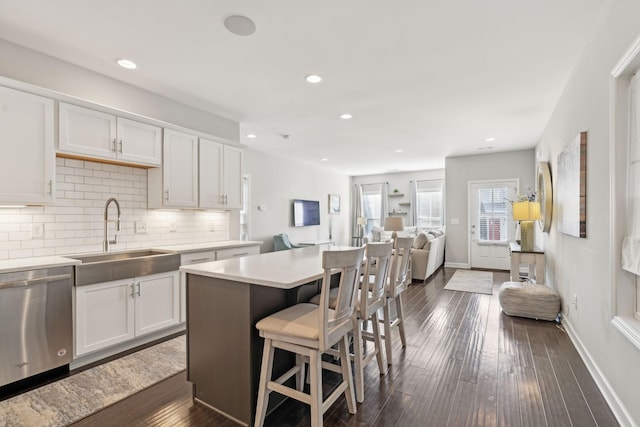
375, 235
419, 241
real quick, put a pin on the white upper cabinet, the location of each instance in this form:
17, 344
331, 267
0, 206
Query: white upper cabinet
220, 175
95, 134
28, 155
175, 185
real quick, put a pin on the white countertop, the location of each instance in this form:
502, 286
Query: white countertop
282, 269
195, 247
34, 263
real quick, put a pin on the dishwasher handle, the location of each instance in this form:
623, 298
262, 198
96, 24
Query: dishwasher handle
38, 281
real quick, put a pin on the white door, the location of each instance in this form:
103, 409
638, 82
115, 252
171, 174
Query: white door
233, 177
157, 303
210, 169
84, 131
180, 170
491, 225
139, 142
104, 315
28, 158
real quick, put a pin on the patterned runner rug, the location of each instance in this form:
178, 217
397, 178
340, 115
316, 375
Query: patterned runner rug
77, 396
480, 282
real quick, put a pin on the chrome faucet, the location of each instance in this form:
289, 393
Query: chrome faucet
106, 242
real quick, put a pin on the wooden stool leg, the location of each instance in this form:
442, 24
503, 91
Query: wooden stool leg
400, 314
315, 373
265, 377
377, 341
357, 360
300, 375
387, 332
345, 364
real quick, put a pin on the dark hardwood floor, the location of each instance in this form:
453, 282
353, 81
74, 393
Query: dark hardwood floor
466, 364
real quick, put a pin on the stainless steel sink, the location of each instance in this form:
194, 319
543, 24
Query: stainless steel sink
105, 267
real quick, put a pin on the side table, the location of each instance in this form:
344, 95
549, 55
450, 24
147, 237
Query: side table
535, 260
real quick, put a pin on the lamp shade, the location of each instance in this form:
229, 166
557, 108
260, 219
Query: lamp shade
361, 220
394, 223
526, 211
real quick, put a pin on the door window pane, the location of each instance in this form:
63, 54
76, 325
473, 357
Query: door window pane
492, 214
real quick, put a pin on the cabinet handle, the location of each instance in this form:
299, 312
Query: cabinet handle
120, 146
138, 288
51, 187
226, 199
113, 145
242, 254
133, 293
200, 260
166, 195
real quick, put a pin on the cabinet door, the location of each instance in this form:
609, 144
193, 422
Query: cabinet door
180, 169
157, 302
232, 177
188, 259
139, 142
87, 132
211, 175
237, 252
28, 160
104, 315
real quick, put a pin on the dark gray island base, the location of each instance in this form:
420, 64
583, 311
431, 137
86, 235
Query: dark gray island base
224, 350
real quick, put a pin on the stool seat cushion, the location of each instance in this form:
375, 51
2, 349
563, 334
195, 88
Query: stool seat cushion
530, 300
298, 321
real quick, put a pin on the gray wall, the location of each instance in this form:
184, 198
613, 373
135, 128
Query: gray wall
582, 267
25, 65
458, 172
275, 182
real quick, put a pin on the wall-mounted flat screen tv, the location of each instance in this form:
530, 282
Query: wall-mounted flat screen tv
306, 212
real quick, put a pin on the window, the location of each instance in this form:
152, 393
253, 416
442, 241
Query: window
493, 215
372, 205
430, 203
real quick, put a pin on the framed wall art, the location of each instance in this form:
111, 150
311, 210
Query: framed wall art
571, 191
334, 204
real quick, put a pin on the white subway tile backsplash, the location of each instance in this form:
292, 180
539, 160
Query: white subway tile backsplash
75, 223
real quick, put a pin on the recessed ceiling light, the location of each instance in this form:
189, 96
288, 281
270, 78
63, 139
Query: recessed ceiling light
346, 116
399, 150
313, 78
490, 139
126, 63
240, 25
251, 135
324, 159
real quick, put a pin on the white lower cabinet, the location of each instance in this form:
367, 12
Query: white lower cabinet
114, 312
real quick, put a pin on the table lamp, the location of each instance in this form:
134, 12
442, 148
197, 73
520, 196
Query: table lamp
361, 221
394, 223
526, 212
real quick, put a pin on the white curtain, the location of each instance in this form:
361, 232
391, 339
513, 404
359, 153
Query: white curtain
357, 210
631, 243
384, 203
413, 208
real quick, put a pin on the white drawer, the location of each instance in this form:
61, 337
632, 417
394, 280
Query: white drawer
237, 252
197, 257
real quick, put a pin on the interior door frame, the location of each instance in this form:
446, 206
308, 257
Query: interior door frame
469, 207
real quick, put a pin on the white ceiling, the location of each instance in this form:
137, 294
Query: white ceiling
434, 78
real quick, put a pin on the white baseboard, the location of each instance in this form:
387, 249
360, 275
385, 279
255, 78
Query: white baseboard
457, 265
617, 407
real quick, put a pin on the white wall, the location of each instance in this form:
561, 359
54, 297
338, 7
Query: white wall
76, 223
25, 65
459, 171
275, 182
581, 267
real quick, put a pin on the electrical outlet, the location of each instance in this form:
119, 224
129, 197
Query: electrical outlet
141, 227
172, 227
37, 231
212, 226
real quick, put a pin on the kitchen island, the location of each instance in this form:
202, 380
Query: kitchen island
225, 299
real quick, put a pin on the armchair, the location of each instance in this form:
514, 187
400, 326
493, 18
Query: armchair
281, 242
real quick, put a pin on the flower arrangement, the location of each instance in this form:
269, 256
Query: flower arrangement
529, 197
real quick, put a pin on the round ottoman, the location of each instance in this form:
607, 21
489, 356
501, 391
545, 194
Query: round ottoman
531, 300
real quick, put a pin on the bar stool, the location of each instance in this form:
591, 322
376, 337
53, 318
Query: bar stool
371, 299
397, 283
310, 330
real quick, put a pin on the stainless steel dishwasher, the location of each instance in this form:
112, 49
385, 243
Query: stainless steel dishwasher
36, 330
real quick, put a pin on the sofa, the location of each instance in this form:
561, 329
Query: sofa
427, 254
